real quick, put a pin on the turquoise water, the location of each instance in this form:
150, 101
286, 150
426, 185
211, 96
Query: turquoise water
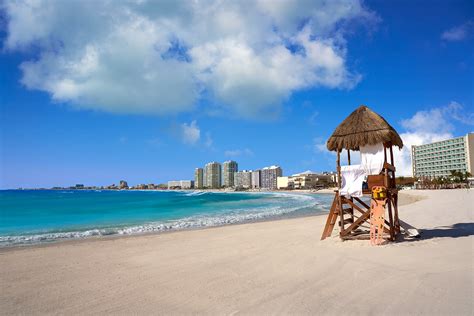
35, 216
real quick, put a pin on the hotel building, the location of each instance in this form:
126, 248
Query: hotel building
440, 158
269, 177
213, 175
243, 179
256, 179
179, 184
306, 180
229, 168
199, 178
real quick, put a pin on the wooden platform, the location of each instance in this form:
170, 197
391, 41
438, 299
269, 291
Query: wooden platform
352, 215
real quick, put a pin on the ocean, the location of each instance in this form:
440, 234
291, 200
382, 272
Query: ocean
41, 216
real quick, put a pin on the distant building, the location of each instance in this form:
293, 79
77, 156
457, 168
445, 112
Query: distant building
123, 184
311, 180
180, 184
229, 168
256, 179
269, 177
284, 183
199, 178
213, 175
79, 186
440, 158
243, 179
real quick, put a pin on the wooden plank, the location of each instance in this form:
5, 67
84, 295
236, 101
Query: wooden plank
356, 206
388, 166
390, 217
357, 223
362, 202
341, 215
330, 222
395, 207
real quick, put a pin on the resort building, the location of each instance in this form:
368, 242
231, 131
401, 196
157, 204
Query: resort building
306, 180
243, 179
312, 180
440, 158
213, 175
284, 183
123, 184
269, 177
199, 178
229, 168
256, 179
178, 184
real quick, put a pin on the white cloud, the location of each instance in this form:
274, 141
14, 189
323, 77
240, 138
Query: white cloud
423, 127
426, 127
209, 141
238, 152
458, 33
319, 145
403, 157
162, 57
190, 133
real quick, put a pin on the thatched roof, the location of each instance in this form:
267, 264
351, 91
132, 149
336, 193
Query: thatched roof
363, 127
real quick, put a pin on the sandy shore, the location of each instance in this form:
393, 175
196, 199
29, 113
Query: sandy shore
278, 267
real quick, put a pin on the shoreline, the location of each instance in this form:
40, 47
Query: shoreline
405, 199
270, 267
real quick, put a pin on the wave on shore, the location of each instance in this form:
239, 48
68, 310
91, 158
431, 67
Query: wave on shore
257, 207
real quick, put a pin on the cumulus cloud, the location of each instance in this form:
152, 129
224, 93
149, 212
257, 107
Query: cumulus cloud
459, 32
209, 141
190, 133
163, 57
426, 127
238, 152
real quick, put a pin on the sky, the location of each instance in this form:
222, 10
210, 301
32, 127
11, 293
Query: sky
93, 92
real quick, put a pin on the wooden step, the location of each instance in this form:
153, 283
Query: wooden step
347, 221
347, 210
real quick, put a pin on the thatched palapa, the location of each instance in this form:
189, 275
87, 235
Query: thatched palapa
363, 127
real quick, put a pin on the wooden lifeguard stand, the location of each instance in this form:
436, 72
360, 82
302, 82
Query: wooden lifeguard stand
364, 127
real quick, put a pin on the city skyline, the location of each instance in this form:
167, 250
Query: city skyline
94, 104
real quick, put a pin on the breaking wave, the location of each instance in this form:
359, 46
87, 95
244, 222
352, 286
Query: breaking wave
288, 205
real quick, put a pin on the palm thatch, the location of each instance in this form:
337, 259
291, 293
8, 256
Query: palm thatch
363, 127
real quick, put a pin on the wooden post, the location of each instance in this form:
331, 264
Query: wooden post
338, 168
390, 217
339, 204
385, 180
348, 157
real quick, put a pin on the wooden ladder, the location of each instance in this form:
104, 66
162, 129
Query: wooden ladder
332, 217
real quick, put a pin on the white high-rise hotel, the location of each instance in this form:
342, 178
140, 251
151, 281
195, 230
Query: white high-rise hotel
229, 168
213, 175
199, 178
440, 158
269, 177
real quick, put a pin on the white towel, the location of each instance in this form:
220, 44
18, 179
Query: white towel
352, 178
372, 158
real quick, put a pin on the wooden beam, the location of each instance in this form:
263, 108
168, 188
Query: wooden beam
362, 202
390, 217
357, 223
356, 206
329, 222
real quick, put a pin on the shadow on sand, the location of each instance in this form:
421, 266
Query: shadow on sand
453, 231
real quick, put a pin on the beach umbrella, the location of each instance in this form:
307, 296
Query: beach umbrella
363, 127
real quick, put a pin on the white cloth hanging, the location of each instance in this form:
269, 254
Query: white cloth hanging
372, 158
352, 178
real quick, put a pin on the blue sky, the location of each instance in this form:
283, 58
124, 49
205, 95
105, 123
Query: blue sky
147, 92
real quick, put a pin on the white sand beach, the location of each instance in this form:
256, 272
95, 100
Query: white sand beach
275, 267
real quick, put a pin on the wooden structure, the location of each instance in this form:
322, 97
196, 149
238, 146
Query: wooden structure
364, 127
